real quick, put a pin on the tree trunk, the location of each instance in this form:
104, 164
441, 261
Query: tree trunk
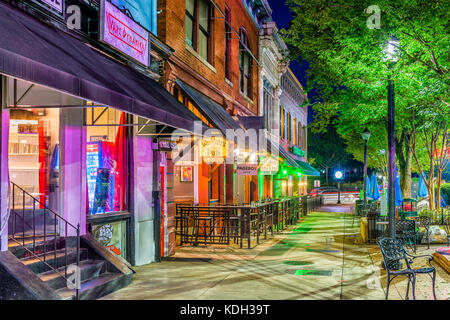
438, 191
430, 185
406, 186
404, 154
326, 175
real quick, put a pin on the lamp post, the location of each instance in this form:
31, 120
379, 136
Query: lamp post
390, 52
338, 175
366, 137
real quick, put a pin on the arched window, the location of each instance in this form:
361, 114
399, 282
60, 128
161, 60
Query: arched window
245, 64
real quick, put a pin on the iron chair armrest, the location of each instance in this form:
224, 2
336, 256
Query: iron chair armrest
421, 256
430, 258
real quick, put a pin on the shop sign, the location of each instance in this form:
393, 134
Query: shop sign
166, 145
269, 166
56, 5
247, 169
213, 150
122, 33
297, 151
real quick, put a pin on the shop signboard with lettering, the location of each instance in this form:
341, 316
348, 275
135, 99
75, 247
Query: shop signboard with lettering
56, 6
269, 166
122, 33
166, 145
247, 169
213, 150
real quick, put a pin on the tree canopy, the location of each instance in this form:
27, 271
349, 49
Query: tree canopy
349, 69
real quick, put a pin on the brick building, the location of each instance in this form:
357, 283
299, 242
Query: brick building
213, 72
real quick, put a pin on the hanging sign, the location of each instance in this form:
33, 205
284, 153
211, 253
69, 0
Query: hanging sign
213, 150
247, 169
269, 166
297, 151
122, 33
56, 5
166, 145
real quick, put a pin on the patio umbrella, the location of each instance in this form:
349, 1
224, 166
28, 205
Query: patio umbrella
423, 191
443, 202
374, 187
398, 190
368, 187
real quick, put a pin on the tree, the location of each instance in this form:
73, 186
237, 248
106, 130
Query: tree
349, 71
326, 150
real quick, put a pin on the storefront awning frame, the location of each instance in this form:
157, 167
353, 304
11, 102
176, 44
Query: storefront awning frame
35, 52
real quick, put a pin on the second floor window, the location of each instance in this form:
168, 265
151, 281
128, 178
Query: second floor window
228, 44
198, 27
245, 67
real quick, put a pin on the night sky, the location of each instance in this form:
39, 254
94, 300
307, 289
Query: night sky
282, 15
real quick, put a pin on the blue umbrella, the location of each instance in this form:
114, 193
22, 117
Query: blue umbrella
374, 187
368, 187
423, 191
443, 203
398, 190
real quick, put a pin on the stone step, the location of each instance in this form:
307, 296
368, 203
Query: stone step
98, 287
56, 280
20, 249
38, 266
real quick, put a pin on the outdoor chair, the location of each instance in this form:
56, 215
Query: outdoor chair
393, 253
406, 231
425, 222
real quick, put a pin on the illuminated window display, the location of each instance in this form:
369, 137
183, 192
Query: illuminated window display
106, 162
34, 153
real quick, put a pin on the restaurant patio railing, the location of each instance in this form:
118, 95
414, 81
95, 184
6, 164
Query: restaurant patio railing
225, 224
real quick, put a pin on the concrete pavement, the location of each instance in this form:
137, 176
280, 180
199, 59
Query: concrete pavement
319, 258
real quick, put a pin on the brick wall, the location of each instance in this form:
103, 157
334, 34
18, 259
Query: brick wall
210, 78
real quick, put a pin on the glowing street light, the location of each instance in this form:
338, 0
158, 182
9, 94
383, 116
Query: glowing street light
338, 174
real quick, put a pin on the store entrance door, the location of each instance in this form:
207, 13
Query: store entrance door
163, 211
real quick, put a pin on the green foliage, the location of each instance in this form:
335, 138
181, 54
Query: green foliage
326, 149
435, 216
445, 191
350, 74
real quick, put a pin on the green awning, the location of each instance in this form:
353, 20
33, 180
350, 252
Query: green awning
306, 169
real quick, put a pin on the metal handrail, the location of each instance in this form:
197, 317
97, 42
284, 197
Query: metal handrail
59, 224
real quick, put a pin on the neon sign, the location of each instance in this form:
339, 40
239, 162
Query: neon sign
122, 33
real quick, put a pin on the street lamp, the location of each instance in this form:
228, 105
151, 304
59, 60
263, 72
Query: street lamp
366, 137
391, 55
338, 175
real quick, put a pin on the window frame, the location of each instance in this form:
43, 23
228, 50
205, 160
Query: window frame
245, 78
198, 28
228, 43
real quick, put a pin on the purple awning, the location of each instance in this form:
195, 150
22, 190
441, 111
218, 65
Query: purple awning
35, 52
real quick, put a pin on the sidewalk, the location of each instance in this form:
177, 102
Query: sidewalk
315, 259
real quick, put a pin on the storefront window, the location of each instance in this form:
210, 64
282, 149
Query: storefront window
112, 236
34, 154
107, 161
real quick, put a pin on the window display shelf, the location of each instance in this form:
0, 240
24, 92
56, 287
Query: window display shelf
23, 154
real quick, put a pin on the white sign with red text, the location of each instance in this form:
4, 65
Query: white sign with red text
122, 33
